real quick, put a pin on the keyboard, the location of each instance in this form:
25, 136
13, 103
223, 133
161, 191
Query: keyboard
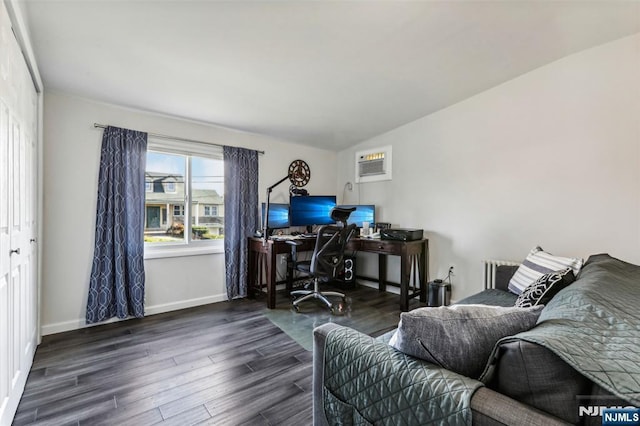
283, 237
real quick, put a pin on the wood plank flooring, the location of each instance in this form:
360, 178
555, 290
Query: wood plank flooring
219, 364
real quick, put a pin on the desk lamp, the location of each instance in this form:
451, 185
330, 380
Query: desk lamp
299, 175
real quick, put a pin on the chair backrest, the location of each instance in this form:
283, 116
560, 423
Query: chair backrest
328, 254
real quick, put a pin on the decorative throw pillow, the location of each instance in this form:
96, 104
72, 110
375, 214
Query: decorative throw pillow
538, 263
544, 288
460, 338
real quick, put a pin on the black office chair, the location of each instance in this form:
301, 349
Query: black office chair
327, 259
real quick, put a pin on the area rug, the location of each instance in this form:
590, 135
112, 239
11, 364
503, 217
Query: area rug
298, 326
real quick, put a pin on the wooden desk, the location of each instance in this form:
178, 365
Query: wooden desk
414, 265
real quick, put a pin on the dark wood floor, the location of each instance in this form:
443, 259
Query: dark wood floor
222, 364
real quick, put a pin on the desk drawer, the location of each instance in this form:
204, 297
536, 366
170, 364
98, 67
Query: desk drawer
381, 247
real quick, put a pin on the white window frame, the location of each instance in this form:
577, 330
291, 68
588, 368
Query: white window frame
186, 247
180, 209
170, 187
210, 210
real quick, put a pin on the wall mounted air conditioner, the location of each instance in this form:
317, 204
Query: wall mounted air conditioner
373, 165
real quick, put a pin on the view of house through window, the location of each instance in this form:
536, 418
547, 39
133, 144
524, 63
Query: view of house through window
184, 198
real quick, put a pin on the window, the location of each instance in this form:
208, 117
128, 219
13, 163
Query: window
184, 199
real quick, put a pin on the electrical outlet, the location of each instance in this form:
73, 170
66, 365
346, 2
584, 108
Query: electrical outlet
349, 186
451, 269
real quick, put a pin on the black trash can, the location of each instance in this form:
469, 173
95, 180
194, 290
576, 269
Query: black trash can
439, 293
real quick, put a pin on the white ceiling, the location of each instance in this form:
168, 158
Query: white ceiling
323, 73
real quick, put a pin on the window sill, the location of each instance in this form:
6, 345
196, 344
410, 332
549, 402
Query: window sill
181, 251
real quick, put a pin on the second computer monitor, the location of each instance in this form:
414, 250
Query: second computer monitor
311, 210
362, 213
278, 215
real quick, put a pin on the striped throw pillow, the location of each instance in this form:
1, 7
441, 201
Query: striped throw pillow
537, 264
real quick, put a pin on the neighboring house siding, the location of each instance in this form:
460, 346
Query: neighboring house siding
165, 196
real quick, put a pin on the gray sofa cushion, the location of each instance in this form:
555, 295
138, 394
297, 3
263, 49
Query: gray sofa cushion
594, 326
460, 338
535, 376
492, 297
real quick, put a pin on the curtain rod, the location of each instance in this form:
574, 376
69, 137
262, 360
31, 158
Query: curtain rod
156, 135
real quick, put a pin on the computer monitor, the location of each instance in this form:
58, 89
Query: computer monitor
278, 215
362, 213
311, 210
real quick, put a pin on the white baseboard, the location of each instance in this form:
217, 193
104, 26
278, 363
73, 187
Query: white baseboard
79, 323
183, 304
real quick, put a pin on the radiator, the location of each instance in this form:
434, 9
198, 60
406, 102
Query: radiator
489, 271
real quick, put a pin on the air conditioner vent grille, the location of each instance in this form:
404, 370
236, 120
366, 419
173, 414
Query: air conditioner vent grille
373, 165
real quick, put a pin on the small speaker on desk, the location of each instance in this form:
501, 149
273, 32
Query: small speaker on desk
348, 274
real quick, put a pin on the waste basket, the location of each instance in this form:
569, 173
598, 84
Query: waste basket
439, 293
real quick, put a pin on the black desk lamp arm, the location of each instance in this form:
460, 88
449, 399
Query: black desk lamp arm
269, 189
265, 219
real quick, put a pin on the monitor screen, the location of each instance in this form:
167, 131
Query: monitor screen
311, 210
362, 213
278, 215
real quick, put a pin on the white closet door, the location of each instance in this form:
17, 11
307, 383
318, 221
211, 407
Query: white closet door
18, 227
6, 317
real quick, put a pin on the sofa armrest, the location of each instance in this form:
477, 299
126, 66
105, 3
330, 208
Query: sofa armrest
491, 408
319, 339
366, 380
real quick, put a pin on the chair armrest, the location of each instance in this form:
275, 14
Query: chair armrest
491, 408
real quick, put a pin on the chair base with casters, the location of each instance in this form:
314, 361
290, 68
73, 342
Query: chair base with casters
315, 294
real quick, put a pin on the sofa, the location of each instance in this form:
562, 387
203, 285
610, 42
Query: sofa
582, 354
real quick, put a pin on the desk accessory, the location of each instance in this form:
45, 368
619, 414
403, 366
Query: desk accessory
401, 234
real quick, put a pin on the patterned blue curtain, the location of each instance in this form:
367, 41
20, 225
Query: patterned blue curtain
240, 215
116, 286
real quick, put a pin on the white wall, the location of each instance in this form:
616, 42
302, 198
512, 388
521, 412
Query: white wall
551, 158
71, 160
